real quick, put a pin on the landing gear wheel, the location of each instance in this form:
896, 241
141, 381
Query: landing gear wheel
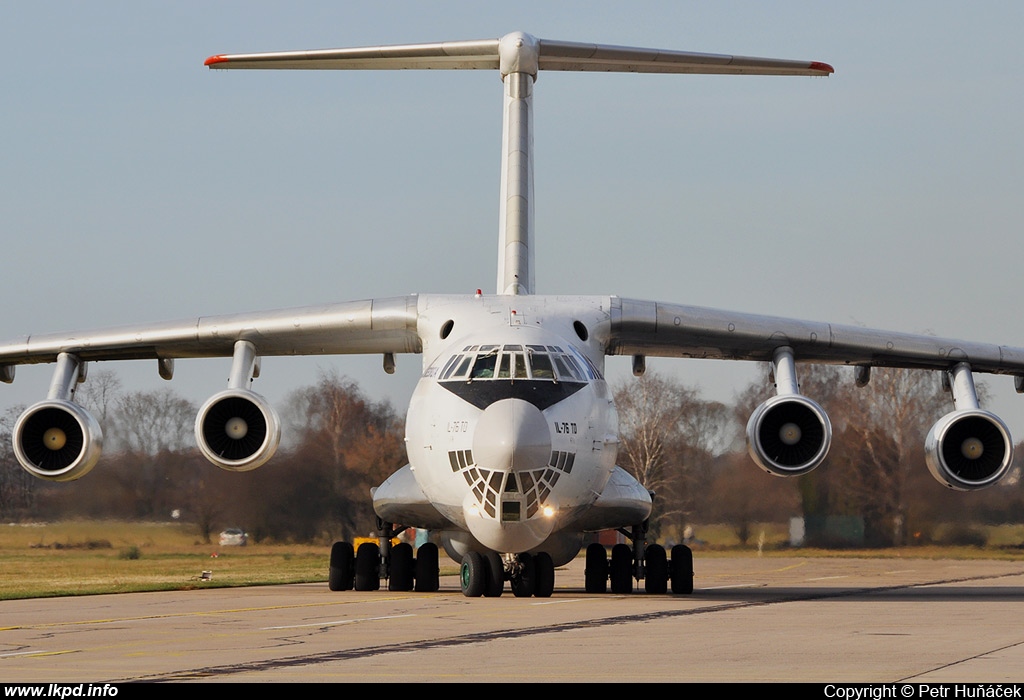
495, 575
473, 575
401, 574
656, 565
524, 584
544, 571
622, 569
682, 569
427, 572
342, 570
596, 573
367, 567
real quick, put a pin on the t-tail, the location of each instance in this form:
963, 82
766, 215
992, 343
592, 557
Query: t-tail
519, 57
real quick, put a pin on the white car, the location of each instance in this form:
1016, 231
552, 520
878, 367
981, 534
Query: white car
233, 537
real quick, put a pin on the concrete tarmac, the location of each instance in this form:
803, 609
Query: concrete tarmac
750, 619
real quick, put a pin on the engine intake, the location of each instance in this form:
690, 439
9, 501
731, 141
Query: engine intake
237, 430
788, 435
57, 440
969, 450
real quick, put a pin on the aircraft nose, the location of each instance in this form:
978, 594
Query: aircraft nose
512, 434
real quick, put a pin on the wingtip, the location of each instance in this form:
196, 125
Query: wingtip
823, 67
214, 60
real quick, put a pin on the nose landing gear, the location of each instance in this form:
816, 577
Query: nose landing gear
528, 575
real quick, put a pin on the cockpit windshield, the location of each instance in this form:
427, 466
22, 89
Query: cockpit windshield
511, 362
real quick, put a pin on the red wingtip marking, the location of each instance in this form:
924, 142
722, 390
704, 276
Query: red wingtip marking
824, 67
212, 60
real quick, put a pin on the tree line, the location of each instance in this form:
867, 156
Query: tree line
873, 488
316, 489
689, 451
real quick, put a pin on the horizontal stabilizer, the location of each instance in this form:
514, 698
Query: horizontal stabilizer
550, 55
449, 54
569, 56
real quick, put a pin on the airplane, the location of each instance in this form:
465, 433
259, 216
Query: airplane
511, 431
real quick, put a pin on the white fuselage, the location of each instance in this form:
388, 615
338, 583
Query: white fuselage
511, 431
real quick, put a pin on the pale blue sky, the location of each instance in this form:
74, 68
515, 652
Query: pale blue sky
136, 185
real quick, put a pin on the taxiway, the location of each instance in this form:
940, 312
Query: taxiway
750, 619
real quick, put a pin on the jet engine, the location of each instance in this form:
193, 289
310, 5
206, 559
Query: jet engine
968, 450
788, 435
57, 440
237, 430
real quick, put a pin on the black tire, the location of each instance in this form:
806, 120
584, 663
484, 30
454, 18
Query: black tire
495, 575
368, 567
596, 574
427, 571
656, 570
621, 570
682, 569
544, 570
401, 570
341, 574
524, 584
473, 575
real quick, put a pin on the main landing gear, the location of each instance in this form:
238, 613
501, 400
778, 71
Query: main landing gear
528, 575
649, 563
484, 574
364, 568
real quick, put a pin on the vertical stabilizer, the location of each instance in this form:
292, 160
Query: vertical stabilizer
519, 55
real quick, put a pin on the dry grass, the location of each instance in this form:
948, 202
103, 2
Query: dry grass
1004, 542
87, 557
75, 558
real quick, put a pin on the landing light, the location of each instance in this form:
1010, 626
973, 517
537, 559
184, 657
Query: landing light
549, 511
474, 511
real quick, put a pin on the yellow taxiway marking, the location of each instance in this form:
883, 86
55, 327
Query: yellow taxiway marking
558, 602
331, 623
207, 613
735, 585
793, 566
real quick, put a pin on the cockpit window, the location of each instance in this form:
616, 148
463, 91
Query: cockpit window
513, 365
538, 362
564, 369
463, 367
589, 370
483, 368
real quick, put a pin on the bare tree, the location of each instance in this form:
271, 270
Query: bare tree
18, 488
879, 431
668, 438
742, 495
99, 393
150, 422
880, 445
344, 445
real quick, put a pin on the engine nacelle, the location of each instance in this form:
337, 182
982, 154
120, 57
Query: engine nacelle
57, 440
788, 435
968, 450
237, 430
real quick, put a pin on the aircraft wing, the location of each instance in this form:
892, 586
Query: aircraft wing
369, 326
658, 329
